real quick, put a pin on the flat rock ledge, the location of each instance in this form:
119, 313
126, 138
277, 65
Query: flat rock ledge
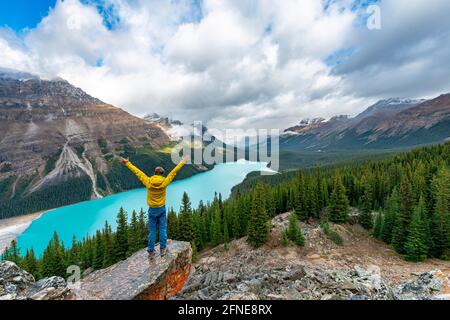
137, 278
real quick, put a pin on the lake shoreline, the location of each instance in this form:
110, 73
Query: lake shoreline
11, 228
85, 218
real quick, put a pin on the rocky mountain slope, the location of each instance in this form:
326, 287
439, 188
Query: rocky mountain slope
389, 123
54, 134
362, 268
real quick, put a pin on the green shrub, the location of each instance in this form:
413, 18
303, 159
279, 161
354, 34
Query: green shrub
331, 234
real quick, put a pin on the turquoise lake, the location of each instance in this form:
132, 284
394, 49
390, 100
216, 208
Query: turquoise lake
87, 217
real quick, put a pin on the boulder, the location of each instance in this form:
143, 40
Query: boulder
17, 284
139, 278
13, 281
433, 285
53, 288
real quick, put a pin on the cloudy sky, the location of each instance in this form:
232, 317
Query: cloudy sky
233, 64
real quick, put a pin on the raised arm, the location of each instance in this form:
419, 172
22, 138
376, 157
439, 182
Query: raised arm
139, 174
174, 172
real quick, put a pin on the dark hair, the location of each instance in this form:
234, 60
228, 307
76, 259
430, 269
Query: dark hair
159, 171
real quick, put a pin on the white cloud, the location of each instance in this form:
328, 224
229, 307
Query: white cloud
242, 63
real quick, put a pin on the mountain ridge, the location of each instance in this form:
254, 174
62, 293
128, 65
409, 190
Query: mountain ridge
60, 142
390, 123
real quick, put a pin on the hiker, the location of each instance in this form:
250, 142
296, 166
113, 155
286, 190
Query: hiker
156, 199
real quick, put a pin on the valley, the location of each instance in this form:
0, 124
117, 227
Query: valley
369, 194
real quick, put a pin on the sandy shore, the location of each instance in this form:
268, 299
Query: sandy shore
11, 228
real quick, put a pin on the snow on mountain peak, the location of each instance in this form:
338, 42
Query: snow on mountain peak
6, 73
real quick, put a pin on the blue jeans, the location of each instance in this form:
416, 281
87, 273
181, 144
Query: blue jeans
157, 216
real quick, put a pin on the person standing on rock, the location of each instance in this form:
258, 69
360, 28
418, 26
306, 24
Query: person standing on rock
156, 199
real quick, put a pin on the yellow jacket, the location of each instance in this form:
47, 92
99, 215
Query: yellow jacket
156, 185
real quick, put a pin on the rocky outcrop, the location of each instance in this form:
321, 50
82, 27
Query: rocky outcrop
306, 283
138, 278
17, 284
135, 278
429, 285
361, 268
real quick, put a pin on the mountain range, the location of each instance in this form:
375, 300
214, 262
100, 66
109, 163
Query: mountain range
58, 143
392, 123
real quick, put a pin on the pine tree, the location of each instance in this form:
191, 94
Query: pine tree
271, 210
12, 253
134, 235
108, 247
323, 194
216, 230
87, 253
186, 223
440, 227
339, 205
73, 255
143, 228
121, 236
226, 236
403, 218
366, 220
172, 225
365, 216
97, 262
258, 230
300, 207
30, 263
416, 243
46, 265
58, 257
293, 231
194, 252
378, 225
204, 223
389, 217
312, 201
198, 226
235, 224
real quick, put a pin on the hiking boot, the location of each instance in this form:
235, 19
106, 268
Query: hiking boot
163, 252
151, 256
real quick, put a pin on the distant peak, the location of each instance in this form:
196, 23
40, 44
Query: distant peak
18, 75
342, 117
6, 73
308, 121
397, 101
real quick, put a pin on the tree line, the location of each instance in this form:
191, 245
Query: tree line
404, 200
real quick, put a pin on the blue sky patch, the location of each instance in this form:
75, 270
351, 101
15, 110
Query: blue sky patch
340, 57
107, 11
23, 14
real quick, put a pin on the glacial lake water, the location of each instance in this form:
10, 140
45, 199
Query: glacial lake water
87, 217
